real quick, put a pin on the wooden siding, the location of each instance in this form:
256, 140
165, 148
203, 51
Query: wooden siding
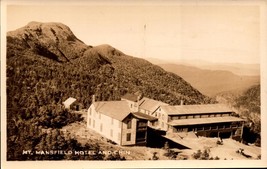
104, 125
162, 119
132, 130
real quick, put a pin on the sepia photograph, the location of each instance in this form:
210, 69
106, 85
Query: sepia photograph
111, 84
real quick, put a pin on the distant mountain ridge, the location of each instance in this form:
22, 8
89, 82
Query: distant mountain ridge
212, 82
239, 69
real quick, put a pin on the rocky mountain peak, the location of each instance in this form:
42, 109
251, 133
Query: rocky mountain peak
53, 40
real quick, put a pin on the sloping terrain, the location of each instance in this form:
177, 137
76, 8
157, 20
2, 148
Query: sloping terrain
247, 104
46, 64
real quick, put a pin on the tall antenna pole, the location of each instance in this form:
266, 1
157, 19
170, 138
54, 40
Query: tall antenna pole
144, 40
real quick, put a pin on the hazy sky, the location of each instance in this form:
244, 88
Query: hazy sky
221, 33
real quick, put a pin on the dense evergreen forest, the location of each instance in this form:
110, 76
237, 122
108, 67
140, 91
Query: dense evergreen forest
46, 64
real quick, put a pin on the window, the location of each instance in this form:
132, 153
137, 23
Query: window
119, 136
101, 127
89, 121
162, 124
227, 126
141, 136
196, 116
182, 117
93, 123
190, 117
141, 124
204, 116
159, 115
111, 133
175, 117
128, 138
129, 124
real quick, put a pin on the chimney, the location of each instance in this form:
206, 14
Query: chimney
93, 98
139, 97
182, 102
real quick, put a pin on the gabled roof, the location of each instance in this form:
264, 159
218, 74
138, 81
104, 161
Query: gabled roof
196, 109
115, 109
144, 116
208, 120
69, 101
150, 104
131, 97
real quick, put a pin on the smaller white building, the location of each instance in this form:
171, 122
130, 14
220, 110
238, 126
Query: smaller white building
67, 103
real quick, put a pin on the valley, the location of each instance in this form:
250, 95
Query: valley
218, 80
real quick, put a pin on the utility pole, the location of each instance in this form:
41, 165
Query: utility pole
144, 42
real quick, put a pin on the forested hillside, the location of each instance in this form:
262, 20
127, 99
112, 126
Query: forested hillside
46, 64
247, 105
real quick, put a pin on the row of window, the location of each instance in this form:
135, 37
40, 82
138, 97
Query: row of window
187, 129
198, 116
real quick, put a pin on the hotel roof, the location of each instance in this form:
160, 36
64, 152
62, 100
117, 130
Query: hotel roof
150, 104
131, 97
115, 109
144, 116
196, 109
